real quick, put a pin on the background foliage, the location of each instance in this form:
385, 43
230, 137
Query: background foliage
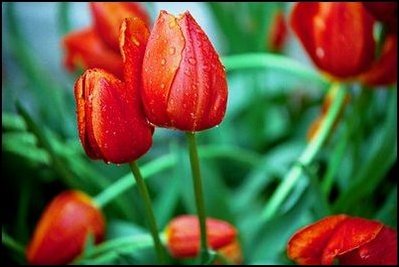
243, 160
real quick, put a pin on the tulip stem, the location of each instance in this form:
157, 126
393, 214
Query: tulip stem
148, 207
199, 200
307, 156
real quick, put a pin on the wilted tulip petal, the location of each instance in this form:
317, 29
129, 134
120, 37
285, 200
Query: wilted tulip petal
84, 49
63, 228
338, 36
184, 82
384, 70
111, 126
306, 245
108, 17
183, 236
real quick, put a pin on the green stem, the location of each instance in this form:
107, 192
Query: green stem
168, 161
272, 61
199, 200
63, 18
307, 156
9, 242
148, 207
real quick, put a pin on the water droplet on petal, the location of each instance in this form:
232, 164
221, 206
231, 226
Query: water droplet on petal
135, 41
192, 61
162, 85
172, 24
172, 50
163, 62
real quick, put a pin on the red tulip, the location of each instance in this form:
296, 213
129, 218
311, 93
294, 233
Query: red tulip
111, 122
278, 33
183, 238
351, 240
108, 17
386, 12
184, 82
85, 49
98, 46
63, 228
384, 71
338, 36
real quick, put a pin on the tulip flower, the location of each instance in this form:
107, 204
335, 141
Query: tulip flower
184, 82
386, 12
350, 240
338, 36
111, 122
384, 70
85, 50
278, 33
63, 229
183, 238
98, 46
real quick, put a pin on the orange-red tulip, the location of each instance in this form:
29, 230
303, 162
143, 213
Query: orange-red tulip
384, 70
350, 240
278, 33
111, 122
63, 228
85, 49
98, 46
108, 17
183, 238
184, 82
338, 36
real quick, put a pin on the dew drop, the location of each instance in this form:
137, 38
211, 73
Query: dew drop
192, 61
135, 41
163, 62
172, 50
162, 85
172, 24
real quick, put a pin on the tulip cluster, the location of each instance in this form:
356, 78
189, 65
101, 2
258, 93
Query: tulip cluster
183, 238
338, 36
350, 240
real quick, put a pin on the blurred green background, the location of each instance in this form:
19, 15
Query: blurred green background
243, 160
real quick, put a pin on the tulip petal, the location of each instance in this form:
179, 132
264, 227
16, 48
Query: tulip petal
382, 250
85, 49
109, 16
385, 70
306, 245
162, 59
198, 97
63, 228
115, 128
349, 235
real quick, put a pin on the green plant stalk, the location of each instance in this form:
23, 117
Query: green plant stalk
272, 61
307, 156
63, 18
9, 242
199, 200
167, 161
148, 208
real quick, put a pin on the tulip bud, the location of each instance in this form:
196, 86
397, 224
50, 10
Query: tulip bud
184, 82
85, 49
183, 238
108, 17
351, 240
338, 36
384, 70
111, 122
63, 228
278, 33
